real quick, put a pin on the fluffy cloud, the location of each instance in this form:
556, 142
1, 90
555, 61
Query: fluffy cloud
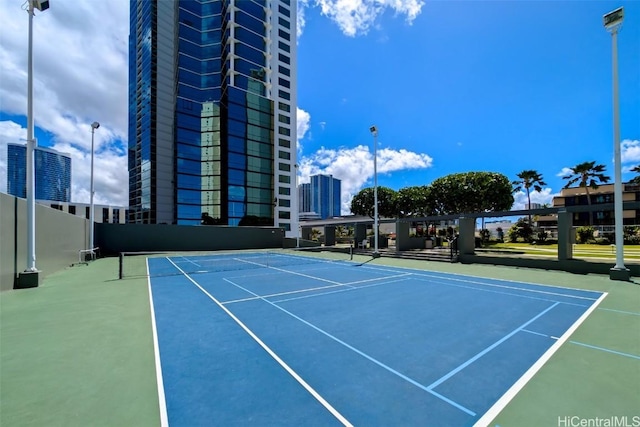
355, 17
82, 80
565, 172
543, 197
302, 121
354, 166
630, 151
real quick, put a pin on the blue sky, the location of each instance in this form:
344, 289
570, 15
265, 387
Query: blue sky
452, 87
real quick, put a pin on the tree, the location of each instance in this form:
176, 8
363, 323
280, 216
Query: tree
362, 203
414, 202
528, 179
471, 192
636, 179
587, 175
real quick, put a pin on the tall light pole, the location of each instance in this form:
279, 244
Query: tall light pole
30, 276
374, 132
613, 22
94, 126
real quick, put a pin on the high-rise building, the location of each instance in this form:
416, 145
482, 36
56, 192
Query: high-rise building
52, 172
304, 196
325, 196
212, 112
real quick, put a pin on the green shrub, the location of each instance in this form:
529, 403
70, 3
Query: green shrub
584, 234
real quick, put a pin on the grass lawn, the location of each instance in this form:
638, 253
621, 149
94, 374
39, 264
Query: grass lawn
579, 250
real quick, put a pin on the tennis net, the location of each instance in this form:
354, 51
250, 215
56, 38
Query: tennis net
134, 264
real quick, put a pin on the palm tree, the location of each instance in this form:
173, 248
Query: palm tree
636, 179
587, 175
528, 179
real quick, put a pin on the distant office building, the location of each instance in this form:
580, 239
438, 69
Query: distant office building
325, 196
304, 196
52, 173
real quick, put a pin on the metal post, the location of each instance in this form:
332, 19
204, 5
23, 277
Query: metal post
617, 157
31, 200
374, 131
94, 126
613, 22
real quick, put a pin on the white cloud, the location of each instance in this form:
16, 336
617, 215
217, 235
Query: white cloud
355, 17
543, 197
354, 167
302, 122
565, 172
83, 79
630, 151
300, 21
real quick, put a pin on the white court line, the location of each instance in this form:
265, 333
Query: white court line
497, 407
379, 278
164, 419
361, 353
271, 353
475, 288
291, 272
495, 285
491, 347
335, 292
279, 294
396, 270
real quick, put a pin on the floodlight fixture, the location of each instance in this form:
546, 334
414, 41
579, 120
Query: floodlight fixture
613, 19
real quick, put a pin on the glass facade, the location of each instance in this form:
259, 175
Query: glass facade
223, 111
325, 196
52, 173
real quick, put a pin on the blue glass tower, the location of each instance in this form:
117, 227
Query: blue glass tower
52, 173
212, 117
325, 195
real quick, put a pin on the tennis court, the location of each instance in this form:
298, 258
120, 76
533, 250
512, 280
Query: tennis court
281, 339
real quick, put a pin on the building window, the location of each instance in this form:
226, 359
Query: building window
284, 191
283, 10
105, 215
72, 209
284, 119
284, 215
284, 179
284, 58
284, 70
284, 143
284, 83
284, 155
284, 34
285, 47
284, 95
284, 107
285, 167
284, 131
285, 203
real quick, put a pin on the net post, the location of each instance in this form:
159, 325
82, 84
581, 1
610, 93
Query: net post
120, 264
351, 251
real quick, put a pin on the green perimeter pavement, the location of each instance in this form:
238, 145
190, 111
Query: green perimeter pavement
78, 351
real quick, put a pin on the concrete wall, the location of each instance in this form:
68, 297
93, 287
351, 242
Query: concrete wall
115, 238
59, 237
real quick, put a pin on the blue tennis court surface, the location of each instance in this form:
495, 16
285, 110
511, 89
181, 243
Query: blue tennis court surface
306, 341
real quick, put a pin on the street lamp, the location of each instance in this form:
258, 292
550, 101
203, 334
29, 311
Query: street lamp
374, 132
94, 126
613, 22
30, 276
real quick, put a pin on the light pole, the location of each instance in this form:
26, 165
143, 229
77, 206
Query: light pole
94, 126
30, 276
374, 132
613, 22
